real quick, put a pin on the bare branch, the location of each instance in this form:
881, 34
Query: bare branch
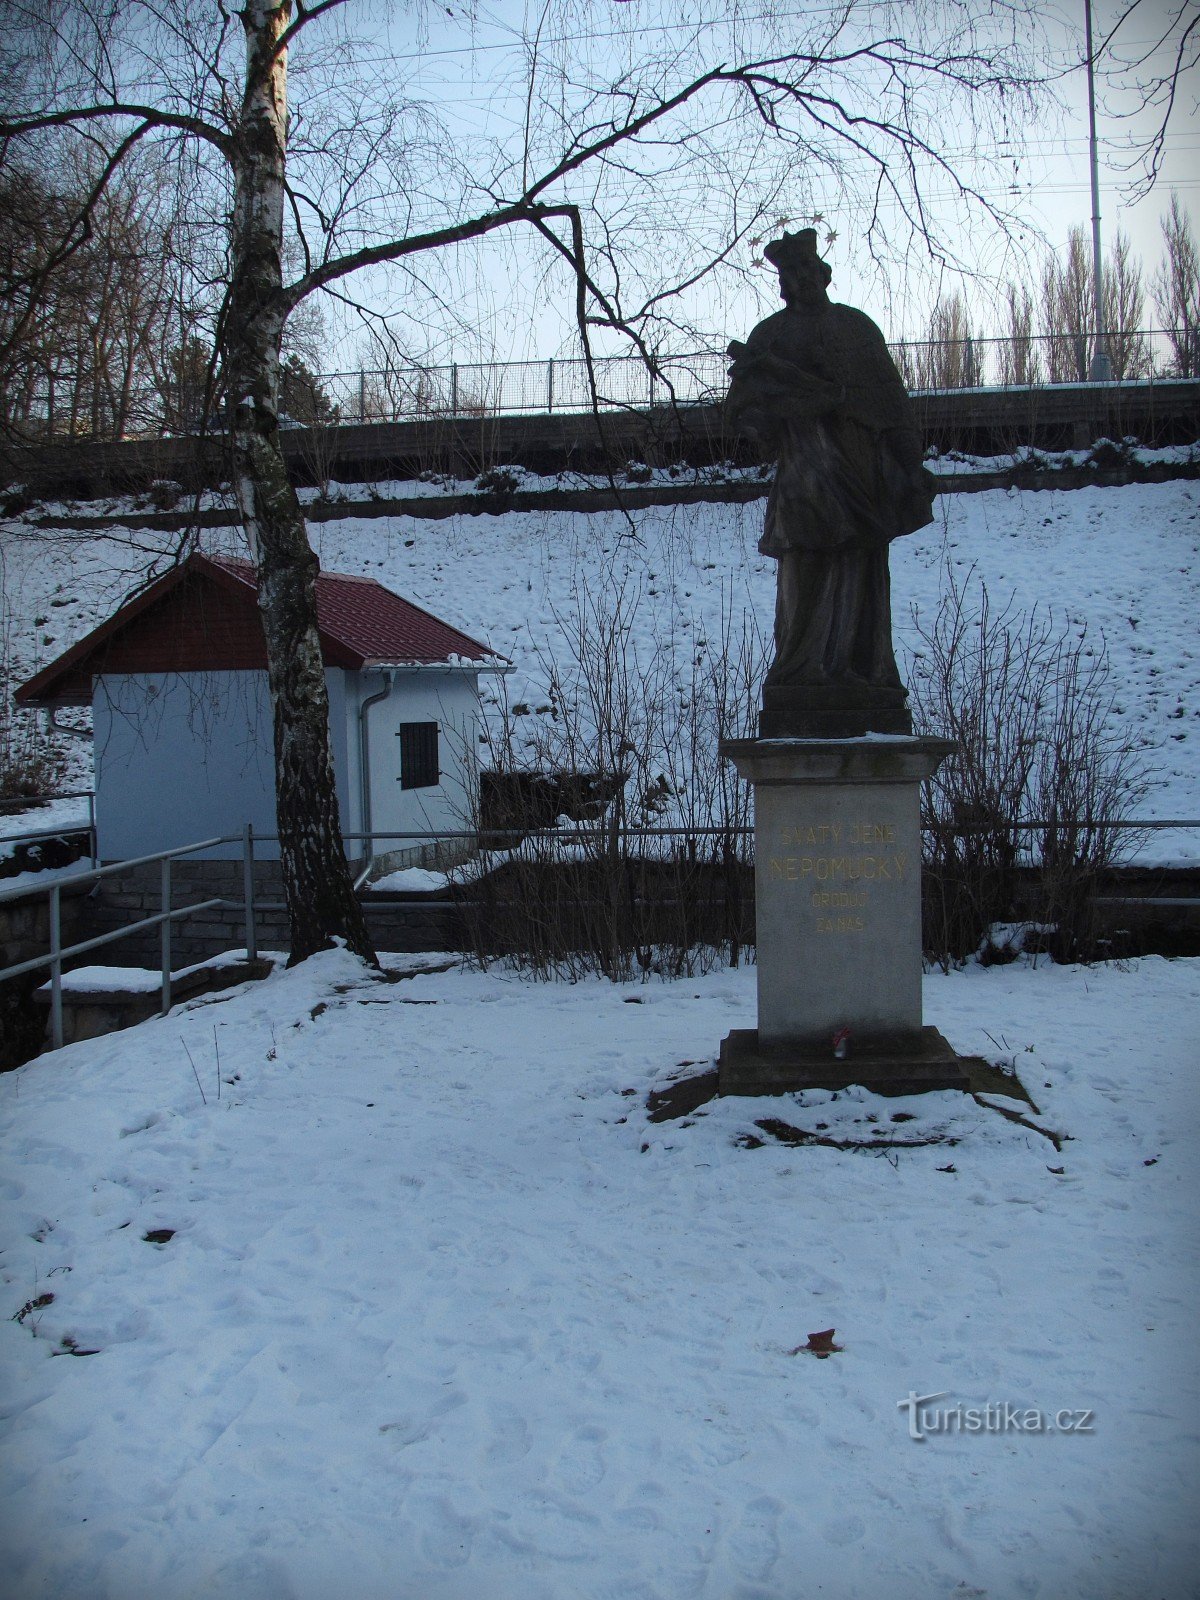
151, 116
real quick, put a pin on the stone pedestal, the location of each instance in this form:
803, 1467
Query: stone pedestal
836, 711
838, 887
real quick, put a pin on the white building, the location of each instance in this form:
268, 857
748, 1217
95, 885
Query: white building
182, 723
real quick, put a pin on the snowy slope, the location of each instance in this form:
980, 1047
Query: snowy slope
1120, 564
444, 1317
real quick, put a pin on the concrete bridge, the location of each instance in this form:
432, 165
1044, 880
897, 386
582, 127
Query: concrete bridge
982, 421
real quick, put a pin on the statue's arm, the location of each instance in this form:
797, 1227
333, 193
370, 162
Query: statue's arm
766, 390
905, 445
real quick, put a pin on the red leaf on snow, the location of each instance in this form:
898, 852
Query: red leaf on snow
819, 1344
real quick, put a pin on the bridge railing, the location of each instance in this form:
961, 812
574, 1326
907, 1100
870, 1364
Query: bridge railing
463, 391
488, 389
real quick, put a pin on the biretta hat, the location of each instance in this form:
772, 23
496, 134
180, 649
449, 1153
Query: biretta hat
795, 249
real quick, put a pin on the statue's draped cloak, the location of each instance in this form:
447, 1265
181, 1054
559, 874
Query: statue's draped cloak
852, 475
817, 385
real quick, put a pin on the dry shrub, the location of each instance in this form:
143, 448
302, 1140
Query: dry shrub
1021, 822
650, 870
31, 764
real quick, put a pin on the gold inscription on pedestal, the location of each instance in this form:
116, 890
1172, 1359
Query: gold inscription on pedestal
840, 869
839, 900
812, 855
801, 834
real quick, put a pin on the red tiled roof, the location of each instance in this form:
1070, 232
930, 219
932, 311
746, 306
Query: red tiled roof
373, 626
203, 616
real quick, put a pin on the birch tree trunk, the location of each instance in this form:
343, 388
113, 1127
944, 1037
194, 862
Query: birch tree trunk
321, 902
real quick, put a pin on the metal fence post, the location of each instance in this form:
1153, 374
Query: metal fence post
93, 843
56, 1016
248, 890
454, 388
362, 395
550, 384
166, 935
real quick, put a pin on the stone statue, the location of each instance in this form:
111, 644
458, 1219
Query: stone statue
815, 385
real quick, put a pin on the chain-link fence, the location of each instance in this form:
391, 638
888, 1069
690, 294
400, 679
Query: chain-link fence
489, 389
405, 392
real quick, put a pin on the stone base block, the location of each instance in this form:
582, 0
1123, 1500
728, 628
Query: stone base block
892, 1064
837, 711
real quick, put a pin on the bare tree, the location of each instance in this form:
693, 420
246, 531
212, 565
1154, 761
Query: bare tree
1068, 290
1176, 290
81, 340
1151, 49
731, 112
1124, 307
947, 359
1020, 359
1068, 314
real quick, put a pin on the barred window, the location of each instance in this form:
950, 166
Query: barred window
419, 768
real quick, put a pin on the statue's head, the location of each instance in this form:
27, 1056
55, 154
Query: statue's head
803, 276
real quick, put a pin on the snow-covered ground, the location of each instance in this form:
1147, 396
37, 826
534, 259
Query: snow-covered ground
394, 1292
1118, 564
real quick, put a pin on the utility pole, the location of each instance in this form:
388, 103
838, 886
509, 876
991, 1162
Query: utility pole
1101, 366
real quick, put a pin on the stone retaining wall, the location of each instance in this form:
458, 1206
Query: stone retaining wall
982, 421
397, 923
25, 923
128, 896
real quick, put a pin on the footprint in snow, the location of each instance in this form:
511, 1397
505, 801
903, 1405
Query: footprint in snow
510, 1442
580, 1465
843, 1530
755, 1545
446, 1535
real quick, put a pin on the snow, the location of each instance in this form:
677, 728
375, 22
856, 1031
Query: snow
436, 485
40, 878
959, 463
410, 880
63, 814
1117, 564
105, 980
442, 1315
140, 980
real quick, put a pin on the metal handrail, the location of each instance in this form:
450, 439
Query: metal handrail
84, 945
123, 866
58, 953
22, 802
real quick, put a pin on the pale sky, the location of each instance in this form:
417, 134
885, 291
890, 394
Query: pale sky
470, 75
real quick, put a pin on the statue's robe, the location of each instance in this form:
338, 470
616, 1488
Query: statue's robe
816, 384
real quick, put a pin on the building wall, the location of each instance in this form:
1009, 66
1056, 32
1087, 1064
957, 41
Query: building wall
449, 698
187, 756
181, 757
